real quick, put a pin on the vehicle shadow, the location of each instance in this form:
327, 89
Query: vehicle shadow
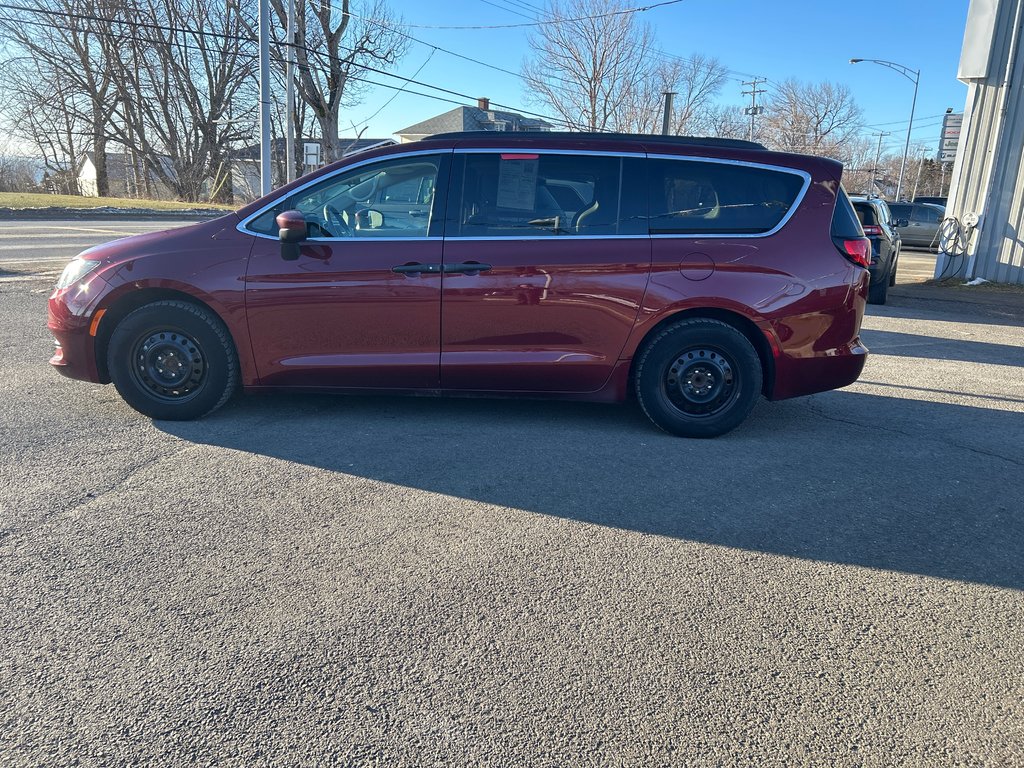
890, 483
937, 348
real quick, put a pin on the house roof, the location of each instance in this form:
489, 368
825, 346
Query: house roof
473, 119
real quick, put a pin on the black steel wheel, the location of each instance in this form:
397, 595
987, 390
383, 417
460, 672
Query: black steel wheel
173, 360
698, 378
701, 381
169, 365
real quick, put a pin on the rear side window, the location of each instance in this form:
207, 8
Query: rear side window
866, 214
845, 223
900, 211
695, 197
926, 214
528, 194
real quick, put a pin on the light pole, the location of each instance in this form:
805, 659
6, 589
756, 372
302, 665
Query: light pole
915, 77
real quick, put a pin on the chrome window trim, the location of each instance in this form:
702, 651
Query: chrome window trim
739, 235
549, 238
242, 226
710, 235
533, 151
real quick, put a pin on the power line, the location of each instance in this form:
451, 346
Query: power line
395, 94
248, 38
640, 9
903, 122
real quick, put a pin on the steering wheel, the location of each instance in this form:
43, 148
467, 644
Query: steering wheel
333, 217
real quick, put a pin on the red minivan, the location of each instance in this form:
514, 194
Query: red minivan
697, 274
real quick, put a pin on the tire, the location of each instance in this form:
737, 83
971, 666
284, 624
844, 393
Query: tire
698, 378
877, 292
173, 360
895, 266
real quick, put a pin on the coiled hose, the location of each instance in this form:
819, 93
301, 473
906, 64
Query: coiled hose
954, 240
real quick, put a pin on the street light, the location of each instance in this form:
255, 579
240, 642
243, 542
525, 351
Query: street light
916, 79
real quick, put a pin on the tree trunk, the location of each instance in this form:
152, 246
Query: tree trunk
330, 144
99, 154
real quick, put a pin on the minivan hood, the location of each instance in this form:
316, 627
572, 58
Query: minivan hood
154, 243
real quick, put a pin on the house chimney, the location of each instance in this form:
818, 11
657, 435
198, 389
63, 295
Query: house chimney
483, 103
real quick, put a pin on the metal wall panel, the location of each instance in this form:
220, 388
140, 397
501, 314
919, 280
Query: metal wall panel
988, 175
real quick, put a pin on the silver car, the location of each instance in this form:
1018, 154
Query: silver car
921, 223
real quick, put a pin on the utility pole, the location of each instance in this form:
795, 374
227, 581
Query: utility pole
667, 119
289, 76
265, 135
878, 155
920, 165
753, 110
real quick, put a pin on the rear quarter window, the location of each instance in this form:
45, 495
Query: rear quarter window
707, 197
844, 219
866, 214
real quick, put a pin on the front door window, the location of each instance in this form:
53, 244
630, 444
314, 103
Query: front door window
390, 199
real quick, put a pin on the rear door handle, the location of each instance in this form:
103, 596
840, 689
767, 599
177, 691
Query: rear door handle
416, 269
466, 268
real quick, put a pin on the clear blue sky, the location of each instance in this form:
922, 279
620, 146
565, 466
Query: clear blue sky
807, 39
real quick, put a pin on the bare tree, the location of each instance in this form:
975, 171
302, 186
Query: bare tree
333, 47
17, 173
695, 81
176, 85
47, 113
814, 118
725, 121
596, 66
587, 60
68, 59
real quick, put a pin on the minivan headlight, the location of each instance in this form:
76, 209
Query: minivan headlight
75, 271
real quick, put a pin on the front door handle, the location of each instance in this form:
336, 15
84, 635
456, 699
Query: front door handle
416, 268
466, 268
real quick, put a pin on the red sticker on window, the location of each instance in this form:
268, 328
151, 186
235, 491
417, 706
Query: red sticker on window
519, 157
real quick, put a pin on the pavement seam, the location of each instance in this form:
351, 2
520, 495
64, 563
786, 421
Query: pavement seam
879, 427
89, 497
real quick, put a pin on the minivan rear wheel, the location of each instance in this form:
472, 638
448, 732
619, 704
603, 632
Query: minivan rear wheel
173, 360
698, 378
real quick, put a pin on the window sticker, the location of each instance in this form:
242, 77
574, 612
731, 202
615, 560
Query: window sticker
517, 184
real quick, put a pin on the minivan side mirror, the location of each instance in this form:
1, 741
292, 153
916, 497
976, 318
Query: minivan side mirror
291, 231
901, 223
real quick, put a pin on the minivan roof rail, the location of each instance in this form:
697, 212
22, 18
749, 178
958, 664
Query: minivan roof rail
699, 141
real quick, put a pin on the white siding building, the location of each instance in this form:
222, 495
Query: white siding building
987, 175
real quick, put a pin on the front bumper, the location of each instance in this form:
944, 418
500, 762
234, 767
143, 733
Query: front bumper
70, 315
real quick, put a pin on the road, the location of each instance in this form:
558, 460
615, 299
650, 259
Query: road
379, 581
31, 242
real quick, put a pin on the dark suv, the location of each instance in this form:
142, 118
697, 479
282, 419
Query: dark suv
880, 228
695, 274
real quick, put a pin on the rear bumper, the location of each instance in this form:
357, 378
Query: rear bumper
822, 350
796, 376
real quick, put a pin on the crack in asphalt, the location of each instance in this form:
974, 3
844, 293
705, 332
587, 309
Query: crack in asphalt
90, 497
879, 427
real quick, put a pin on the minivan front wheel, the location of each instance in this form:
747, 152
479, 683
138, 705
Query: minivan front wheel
173, 360
698, 378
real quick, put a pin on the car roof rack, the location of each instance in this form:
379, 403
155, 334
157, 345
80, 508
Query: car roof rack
692, 141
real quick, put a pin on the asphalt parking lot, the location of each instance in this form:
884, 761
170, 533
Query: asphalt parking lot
378, 581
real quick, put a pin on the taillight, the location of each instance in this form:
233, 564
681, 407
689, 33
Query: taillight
871, 229
856, 249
